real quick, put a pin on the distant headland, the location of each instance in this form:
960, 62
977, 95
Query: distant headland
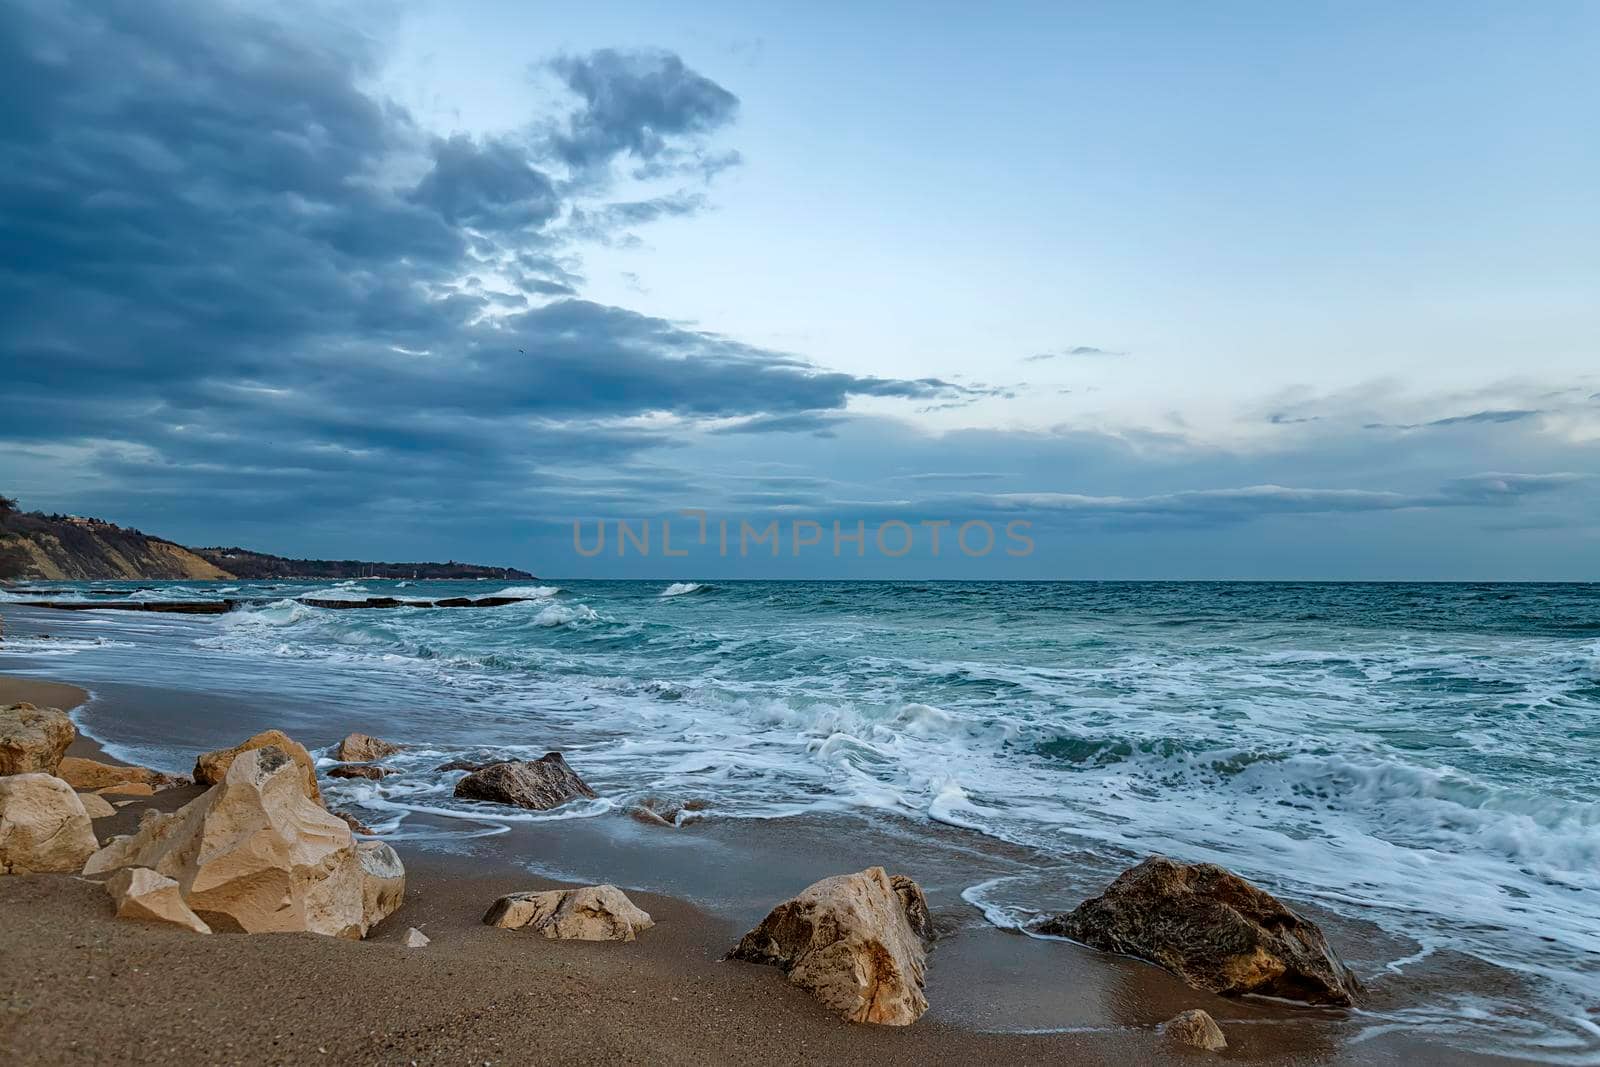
38, 547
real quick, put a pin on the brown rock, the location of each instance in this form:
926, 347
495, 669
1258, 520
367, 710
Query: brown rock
91, 776
856, 942
128, 789
1196, 1029
141, 893
593, 913
665, 811
96, 807
210, 767
43, 826
33, 740
361, 748
541, 784
255, 853
355, 824
462, 765
1214, 930
359, 770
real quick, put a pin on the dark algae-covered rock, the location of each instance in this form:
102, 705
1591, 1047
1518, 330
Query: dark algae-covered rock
540, 784
1214, 930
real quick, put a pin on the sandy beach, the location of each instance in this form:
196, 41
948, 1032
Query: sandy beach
79, 986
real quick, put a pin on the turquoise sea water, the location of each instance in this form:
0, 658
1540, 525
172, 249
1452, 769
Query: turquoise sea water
1422, 757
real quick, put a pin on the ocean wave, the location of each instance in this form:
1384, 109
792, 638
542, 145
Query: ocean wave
1440, 782
686, 588
530, 592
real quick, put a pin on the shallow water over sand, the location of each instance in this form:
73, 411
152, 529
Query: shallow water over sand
1419, 758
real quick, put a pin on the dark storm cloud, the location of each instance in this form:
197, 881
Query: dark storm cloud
227, 271
487, 185
644, 104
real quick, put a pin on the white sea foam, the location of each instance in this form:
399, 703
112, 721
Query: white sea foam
530, 592
1443, 785
683, 588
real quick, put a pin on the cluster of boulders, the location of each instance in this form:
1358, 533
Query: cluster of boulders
45, 822
258, 852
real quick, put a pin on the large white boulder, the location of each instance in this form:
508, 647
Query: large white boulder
857, 942
211, 767
43, 826
140, 893
255, 853
33, 739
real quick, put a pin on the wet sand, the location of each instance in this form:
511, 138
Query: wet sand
78, 986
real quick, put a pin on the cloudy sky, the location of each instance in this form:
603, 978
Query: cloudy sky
1258, 290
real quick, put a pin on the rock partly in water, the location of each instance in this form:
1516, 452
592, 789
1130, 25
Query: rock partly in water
593, 913
363, 748
96, 806
665, 811
417, 939
210, 768
355, 824
255, 853
140, 893
90, 776
33, 740
1195, 1029
462, 765
371, 771
1214, 930
43, 827
857, 942
540, 784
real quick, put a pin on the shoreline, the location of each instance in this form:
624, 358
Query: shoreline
665, 998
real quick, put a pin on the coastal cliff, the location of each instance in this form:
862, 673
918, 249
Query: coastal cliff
70, 548
73, 548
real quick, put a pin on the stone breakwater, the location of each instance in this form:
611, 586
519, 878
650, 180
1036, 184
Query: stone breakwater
227, 604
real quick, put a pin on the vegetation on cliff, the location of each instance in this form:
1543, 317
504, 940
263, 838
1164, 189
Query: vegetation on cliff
36, 546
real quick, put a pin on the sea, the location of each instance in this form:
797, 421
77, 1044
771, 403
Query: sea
1420, 758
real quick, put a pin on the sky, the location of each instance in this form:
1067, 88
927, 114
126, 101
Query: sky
1176, 291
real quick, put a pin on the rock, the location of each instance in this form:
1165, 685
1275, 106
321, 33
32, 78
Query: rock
856, 942
92, 776
95, 806
665, 811
33, 740
43, 826
544, 783
255, 853
359, 770
462, 765
360, 748
593, 913
383, 881
1195, 1028
355, 824
128, 789
141, 893
210, 767
417, 939
1214, 930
